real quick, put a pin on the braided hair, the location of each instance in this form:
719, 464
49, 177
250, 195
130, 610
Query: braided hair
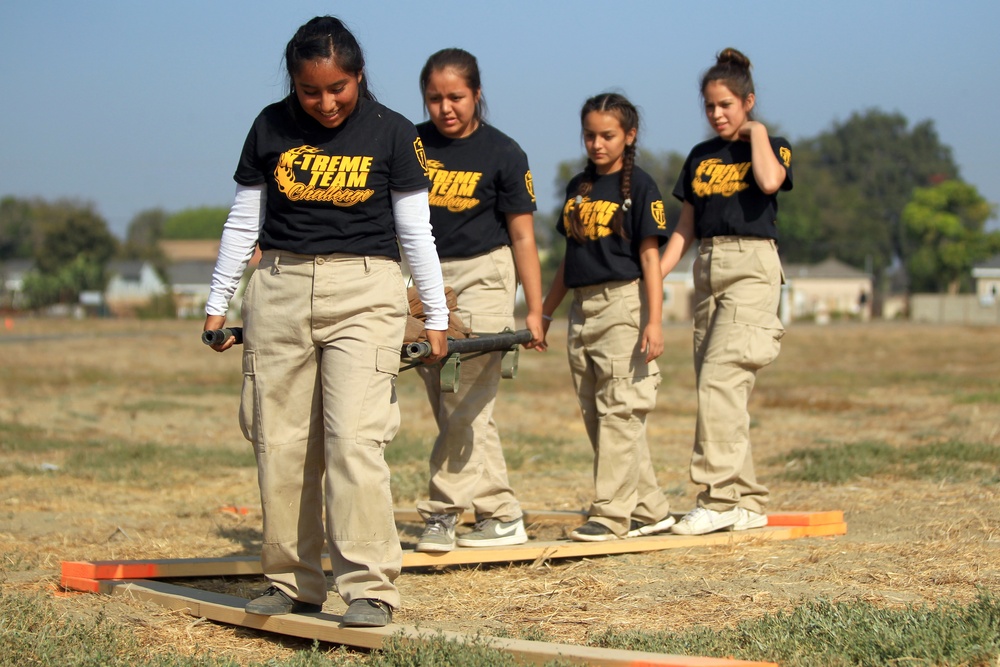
322, 38
628, 117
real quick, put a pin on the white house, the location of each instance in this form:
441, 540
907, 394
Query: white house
12, 274
987, 277
826, 289
132, 284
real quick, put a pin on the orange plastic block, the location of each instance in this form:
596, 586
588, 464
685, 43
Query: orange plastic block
110, 569
805, 518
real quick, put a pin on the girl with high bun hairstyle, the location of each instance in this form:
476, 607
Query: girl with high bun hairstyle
482, 202
329, 184
729, 187
614, 226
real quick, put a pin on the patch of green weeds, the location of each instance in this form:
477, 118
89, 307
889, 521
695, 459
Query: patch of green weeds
405, 448
936, 461
827, 634
438, 651
20, 438
522, 449
992, 397
113, 461
836, 463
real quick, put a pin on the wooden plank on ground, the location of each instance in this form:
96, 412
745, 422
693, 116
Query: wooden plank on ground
541, 551
326, 627
532, 551
571, 517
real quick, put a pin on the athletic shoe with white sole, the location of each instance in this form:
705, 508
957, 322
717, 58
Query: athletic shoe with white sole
593, 532
439, 534
494, 533
702, 520
749, 519
638, 529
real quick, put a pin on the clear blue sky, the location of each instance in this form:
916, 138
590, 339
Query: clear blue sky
135, 105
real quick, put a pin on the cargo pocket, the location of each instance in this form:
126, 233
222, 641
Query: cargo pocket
383, 419
756, 337
249, 413
633, 385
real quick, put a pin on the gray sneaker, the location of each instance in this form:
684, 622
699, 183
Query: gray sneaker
495, 533
439, 534
275, 601
367, 613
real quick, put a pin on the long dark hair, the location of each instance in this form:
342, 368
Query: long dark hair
465, 65
628, 117
321, 38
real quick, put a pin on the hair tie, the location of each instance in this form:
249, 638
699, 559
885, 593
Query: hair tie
578, 200
627, 204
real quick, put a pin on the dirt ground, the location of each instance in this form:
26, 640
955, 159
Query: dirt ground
911, 538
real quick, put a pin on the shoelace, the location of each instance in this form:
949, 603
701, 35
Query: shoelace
438, 522
694, 514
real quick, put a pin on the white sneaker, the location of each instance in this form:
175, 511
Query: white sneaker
749, 519
702, 520
638, 529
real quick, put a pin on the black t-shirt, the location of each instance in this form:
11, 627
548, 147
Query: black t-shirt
328, 189
717, 179
606, 256
475, 182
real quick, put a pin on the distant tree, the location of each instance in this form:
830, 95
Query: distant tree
71, 229
196, 223
142, 240
15, 228
944, 227
65, 283
879, 158
815, 218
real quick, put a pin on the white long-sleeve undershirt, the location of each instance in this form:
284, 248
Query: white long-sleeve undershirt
411, 213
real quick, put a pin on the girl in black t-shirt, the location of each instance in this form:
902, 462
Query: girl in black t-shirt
482, 203
614, 226
328, 180
729, 188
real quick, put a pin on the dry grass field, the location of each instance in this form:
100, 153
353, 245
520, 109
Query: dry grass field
119, 440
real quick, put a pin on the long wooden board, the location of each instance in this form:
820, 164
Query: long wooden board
571, 517
80, 575
326, 627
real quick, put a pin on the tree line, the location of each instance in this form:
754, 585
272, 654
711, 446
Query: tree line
873, 191
70, 245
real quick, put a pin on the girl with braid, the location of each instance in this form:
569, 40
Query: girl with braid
614, 226
729, 188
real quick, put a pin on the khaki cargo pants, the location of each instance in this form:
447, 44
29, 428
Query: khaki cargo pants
736, 332
616, 389
320, 359
467, 464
